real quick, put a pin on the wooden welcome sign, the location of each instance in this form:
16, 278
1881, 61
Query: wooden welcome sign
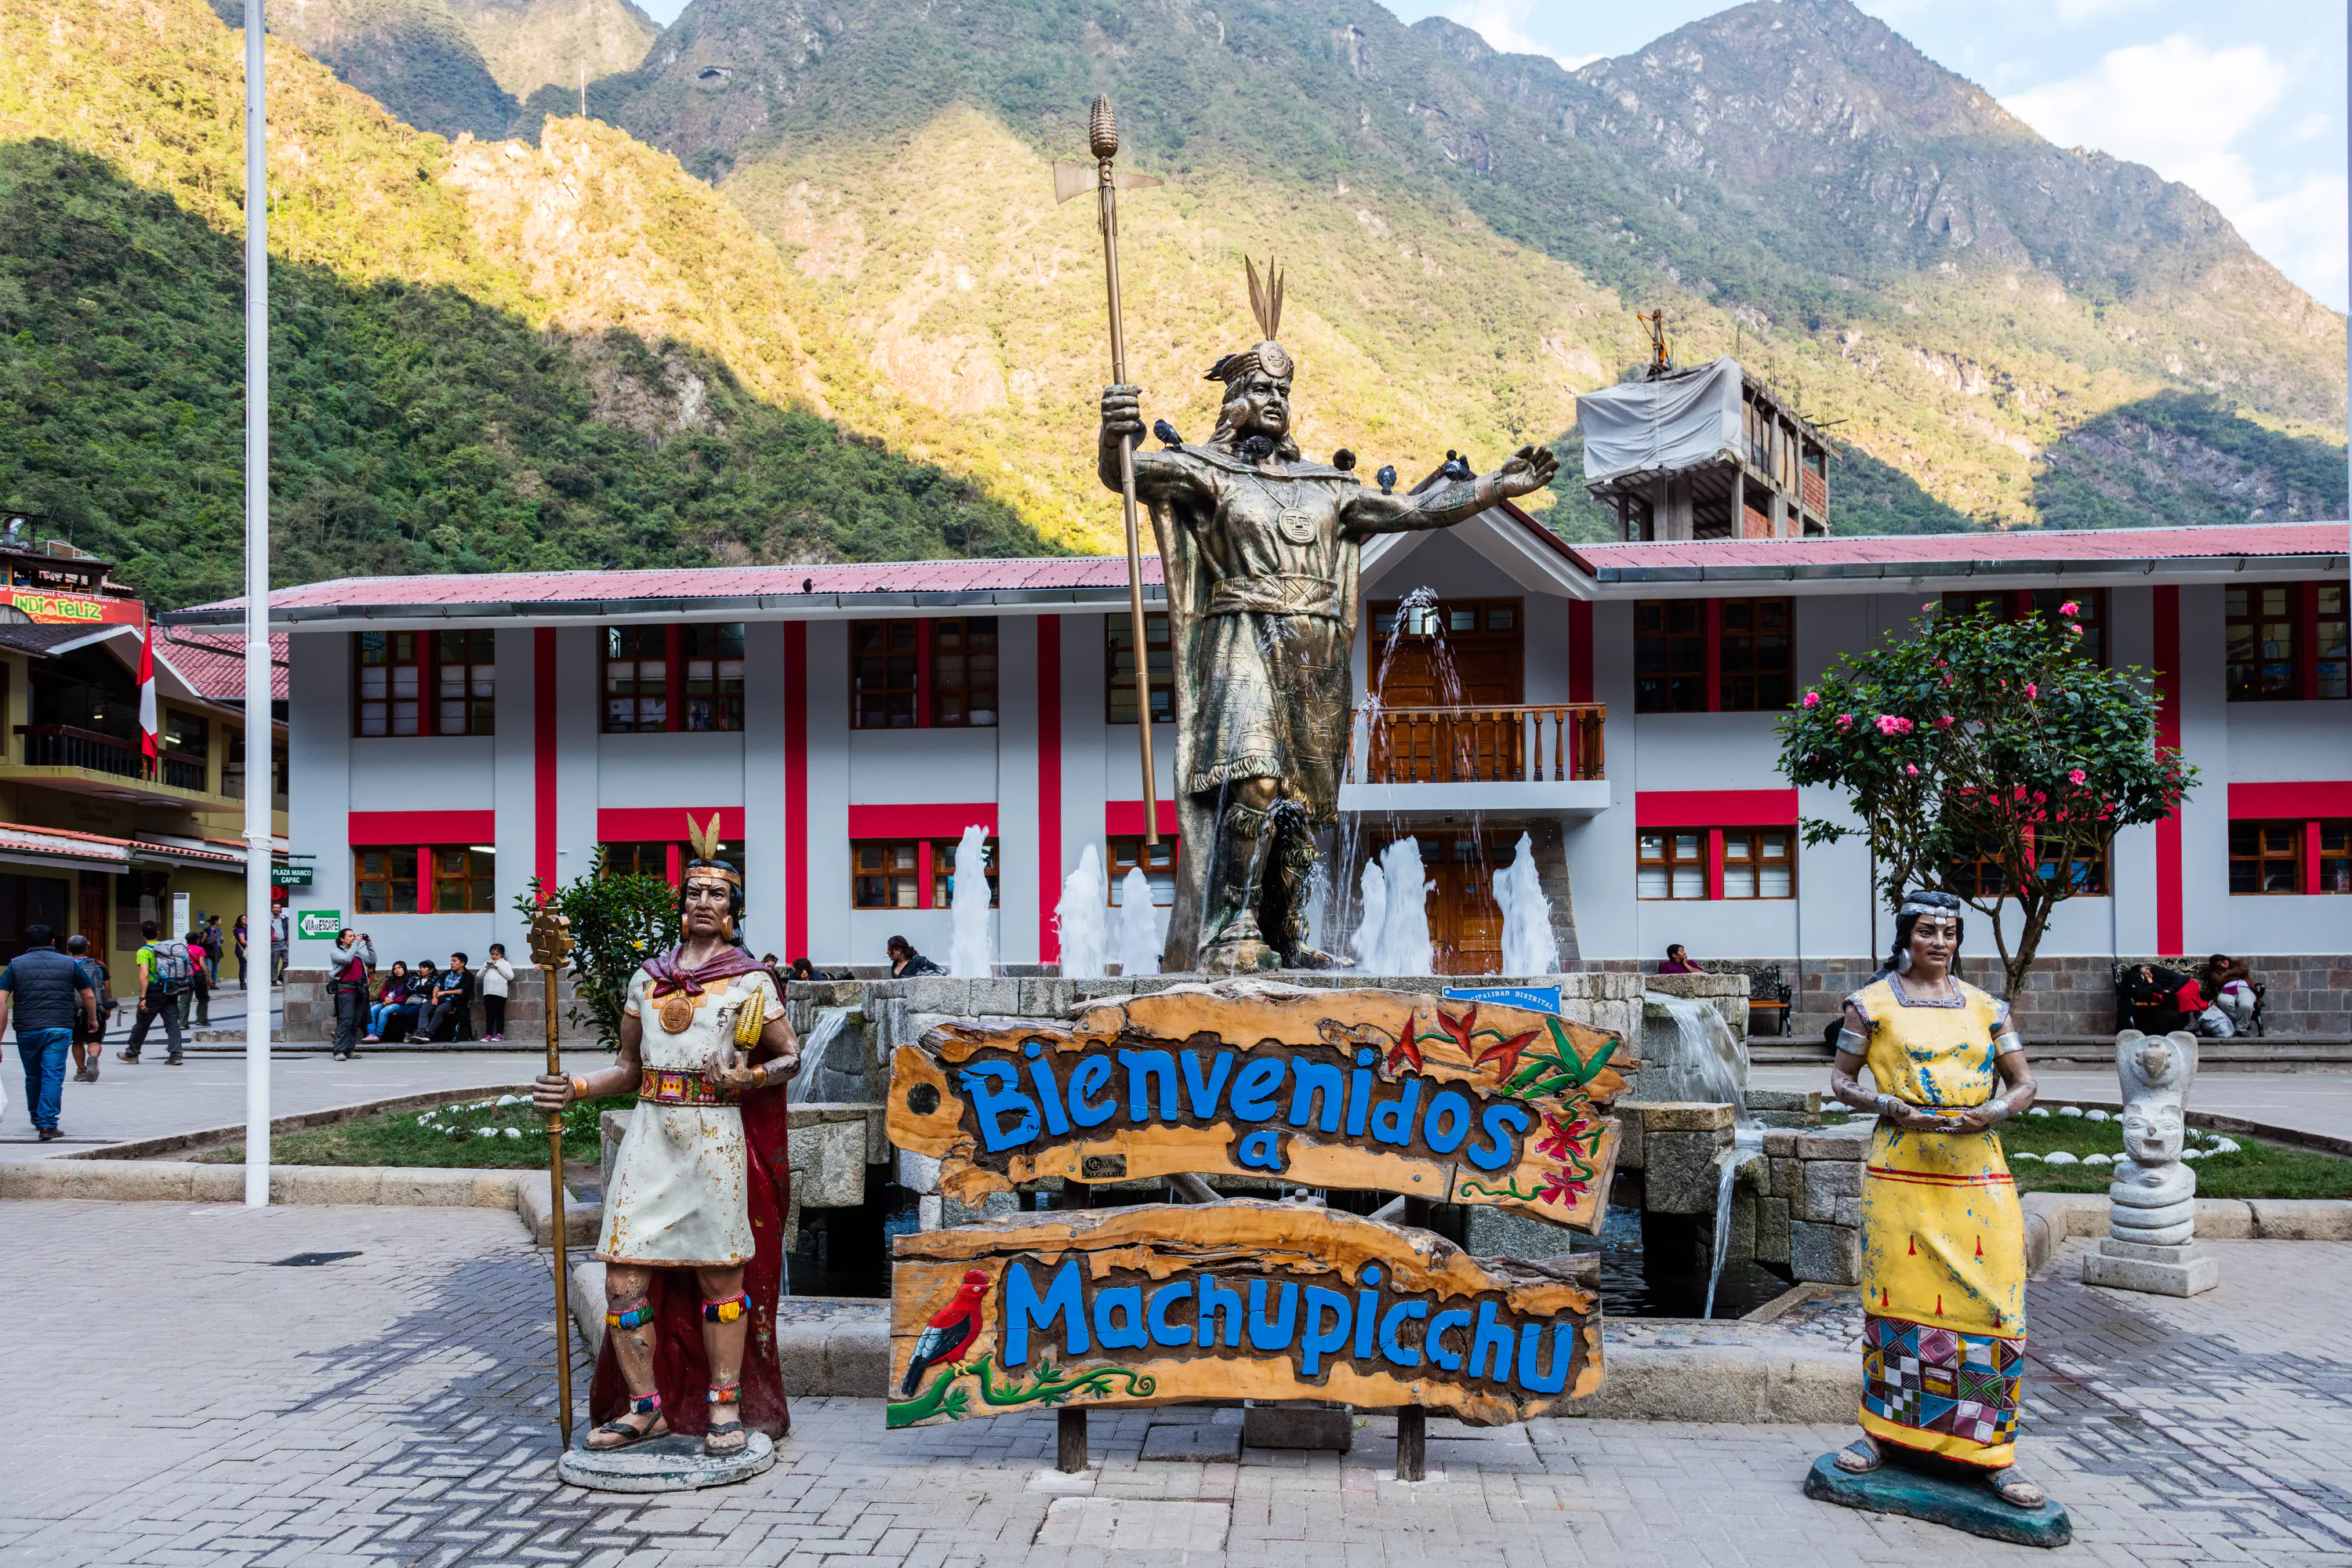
1462, 1102
1164, 1303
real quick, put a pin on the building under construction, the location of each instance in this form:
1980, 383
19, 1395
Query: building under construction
1710, 453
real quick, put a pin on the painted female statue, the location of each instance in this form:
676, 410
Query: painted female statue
1943, 1240
693, 1229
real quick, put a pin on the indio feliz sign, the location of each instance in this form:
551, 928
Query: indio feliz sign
74, 609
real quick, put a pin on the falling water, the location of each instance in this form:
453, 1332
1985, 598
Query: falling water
1404, 932
1529, 945
968, 910
1081, 918
1365, 721
1318, 907
1366, 944
1139, 941
1704, 1065
821, 1078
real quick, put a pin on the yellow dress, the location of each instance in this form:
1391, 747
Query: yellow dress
1943, 1240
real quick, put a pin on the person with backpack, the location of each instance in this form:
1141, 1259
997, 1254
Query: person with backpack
166, 970
347, 983
90, 1036
51, 995
200, 979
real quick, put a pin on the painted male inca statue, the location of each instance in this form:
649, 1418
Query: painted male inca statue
1260, 551
2152, 1201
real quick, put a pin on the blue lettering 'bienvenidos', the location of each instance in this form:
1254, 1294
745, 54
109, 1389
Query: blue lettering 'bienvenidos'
1202, 1092
1451, 1109
1392, 1119
1273, 1334
1049, 1095
1563, 1345
1491, 1342
1126, 1335
1254, 1089
1498, 1152
1086, 1082
1261, 1150
1142, 1068
1221, 1312
1439, 1356
1064, 1300
1390, 1346
994, 1090
1164, 1333
1319, 1341
1317, 1094
1360, 1094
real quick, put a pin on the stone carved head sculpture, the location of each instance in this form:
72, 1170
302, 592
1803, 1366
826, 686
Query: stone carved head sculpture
2155, 1070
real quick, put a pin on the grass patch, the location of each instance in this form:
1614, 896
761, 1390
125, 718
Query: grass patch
469, 1133
2256, 1170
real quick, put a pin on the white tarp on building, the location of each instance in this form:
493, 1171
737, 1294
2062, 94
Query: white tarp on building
1639, 426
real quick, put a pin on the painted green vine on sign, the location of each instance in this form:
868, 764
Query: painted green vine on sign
1052, 1386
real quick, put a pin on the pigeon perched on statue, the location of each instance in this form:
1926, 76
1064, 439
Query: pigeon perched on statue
949, 1334
1387, 476
1344, 460
1458, 467
1165, 433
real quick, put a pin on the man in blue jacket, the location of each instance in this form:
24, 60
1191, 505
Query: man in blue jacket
48, 991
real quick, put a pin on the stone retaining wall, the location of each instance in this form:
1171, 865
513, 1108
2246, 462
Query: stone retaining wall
1799, 1206
311, 1013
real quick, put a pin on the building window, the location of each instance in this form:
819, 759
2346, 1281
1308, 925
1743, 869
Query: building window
2010, 605
233, 764
187, 747
2265, 857
963, 672
384, 881
1760, 863
1986, 875
1713, 656
909, 873
464, 879
396, 671
1119, 647
2335, 858
2285, 642
278, 773
387, 672
465, 682
884, 686
713, 656
637, 679
659, 858
1158, 861
1672, 865
660, 678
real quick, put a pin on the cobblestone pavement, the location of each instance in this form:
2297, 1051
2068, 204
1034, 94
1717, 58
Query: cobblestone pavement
2308, 1101
184, 1402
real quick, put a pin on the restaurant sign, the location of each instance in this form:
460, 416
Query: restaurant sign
75, 609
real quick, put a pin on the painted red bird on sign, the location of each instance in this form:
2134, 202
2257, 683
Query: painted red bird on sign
948, 1333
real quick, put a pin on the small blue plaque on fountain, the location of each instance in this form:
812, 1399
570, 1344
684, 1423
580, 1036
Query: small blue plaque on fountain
1536, 999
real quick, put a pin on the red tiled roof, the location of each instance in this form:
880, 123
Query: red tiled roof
2017, 549
215, 666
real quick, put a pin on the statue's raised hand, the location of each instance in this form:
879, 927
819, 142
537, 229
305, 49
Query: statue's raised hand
1122, 411
1527, 471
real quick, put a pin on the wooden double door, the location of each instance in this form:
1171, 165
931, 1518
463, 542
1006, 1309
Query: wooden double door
1465, 924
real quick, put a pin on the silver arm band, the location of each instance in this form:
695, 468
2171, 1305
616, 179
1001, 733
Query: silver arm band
1886, 1104
2006, 1042
1847, 1040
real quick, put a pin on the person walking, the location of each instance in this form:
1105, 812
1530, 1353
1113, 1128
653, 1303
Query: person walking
498, 977
166, 970
51, 993
238, 933
347, 984
215, 944
200, 985
280, 929
89, 1037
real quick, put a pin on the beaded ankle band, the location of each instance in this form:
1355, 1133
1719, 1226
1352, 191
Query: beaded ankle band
634, 1318
644, 1404
726, 1392
727, 1309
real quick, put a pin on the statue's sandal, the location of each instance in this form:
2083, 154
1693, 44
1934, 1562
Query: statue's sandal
724, 1437
625, 1436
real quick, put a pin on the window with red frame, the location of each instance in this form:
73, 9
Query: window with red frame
909, 873
459, 878
660, 678
1714, 656
423, 683
2291, 857
1158, 862
2090, 611
1716, 863
923, 674
2285, 642
1984, 875
658, 857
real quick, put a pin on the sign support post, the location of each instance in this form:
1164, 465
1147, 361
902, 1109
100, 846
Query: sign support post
259, 741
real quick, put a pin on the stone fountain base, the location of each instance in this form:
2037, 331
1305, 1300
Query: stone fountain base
2184, 1270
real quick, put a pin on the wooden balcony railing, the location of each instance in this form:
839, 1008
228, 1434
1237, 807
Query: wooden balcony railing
63, 746
1505, 743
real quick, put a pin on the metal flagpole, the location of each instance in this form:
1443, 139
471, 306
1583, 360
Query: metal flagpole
260, 741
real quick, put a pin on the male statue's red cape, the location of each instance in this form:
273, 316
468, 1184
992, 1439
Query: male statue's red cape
681, 1370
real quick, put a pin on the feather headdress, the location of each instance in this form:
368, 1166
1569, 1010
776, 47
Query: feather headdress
704, 842
1265, 304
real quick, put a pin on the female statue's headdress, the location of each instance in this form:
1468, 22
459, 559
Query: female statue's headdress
1265, 304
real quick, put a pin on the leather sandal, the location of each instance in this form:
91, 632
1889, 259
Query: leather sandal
631, 1436
2015, 1489
1860, 1457
723, 1438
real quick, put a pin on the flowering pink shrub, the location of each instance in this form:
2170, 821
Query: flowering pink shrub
1812, 698
2071, 608
1894, 725
2077, 777
2032, 691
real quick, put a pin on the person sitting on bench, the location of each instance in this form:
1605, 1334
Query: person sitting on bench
449, 1016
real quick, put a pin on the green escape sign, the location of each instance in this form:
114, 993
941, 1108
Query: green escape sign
318, 923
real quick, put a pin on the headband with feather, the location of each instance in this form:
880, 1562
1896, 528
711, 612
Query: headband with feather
1265, 304
704, 842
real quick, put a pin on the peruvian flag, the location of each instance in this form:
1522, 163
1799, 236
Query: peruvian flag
150, 726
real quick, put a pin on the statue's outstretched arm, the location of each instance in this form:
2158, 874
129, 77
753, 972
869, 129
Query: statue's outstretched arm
1529, 469
1159, 477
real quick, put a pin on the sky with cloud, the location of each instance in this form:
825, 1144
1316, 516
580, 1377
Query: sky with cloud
2244, 103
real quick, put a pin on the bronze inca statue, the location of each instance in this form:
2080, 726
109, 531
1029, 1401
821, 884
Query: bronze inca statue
1261, 552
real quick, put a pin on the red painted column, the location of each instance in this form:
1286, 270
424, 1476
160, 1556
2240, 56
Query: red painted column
1049, 783
796, 832
2169, 923
2311, 859
1715, 865
925, 872
543, 757
424, 885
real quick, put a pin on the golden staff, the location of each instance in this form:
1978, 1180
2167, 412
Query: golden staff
1077, 179
550, 945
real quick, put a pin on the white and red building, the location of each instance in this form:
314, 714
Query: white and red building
455, 737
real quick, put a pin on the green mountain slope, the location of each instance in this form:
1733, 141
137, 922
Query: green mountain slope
483, 356
414, 56
532, 44
1789, 179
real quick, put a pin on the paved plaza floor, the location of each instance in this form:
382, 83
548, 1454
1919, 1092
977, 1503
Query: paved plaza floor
2306, 1102
184, 1400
